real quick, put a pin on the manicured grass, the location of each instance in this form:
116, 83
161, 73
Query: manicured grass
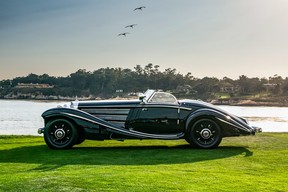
254, 163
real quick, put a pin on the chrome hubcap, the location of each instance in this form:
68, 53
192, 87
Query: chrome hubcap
205, 133
59, 134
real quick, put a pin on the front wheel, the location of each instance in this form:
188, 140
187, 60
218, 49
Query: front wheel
60, 134
205, 133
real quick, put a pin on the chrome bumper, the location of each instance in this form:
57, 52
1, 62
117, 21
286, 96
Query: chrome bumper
257, 129
40, 130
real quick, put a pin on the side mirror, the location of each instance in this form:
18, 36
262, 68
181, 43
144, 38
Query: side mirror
141, 96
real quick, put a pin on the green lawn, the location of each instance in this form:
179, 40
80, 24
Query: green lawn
253, 163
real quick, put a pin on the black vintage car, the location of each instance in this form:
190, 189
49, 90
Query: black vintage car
155, 115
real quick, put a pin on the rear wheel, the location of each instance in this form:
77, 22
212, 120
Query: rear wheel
205, 133
60, 134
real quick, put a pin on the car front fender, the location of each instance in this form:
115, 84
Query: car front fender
81, 118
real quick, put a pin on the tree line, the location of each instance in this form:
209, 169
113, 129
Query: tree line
108, 82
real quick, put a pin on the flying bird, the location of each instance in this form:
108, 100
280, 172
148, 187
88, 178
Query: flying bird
139, 8
123, 34
130, 25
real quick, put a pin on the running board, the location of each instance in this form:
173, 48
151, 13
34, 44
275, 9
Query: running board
158, 136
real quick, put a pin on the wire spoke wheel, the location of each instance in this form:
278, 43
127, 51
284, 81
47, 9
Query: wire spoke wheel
60, 134
205, 133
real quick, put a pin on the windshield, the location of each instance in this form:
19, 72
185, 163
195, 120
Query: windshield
151, 96
148, 94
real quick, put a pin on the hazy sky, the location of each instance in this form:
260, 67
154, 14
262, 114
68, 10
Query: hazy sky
214, 38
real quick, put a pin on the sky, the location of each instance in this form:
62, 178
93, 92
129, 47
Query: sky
214, 38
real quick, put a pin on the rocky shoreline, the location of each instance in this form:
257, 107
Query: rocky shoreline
238, 102
249, 102
40, 97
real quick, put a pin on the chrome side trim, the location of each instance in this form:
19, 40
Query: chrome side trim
234, 124
112, 117
107, 111
125, 132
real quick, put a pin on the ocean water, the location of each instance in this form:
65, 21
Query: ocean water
19, 117
270, 119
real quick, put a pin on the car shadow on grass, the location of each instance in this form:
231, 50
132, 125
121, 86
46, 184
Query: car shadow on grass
126, 155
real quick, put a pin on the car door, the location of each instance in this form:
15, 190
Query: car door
157, 119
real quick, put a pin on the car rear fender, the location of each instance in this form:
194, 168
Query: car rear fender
203, 113
228, 123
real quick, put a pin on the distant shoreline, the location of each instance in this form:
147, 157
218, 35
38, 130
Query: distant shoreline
242, 103
250, 103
